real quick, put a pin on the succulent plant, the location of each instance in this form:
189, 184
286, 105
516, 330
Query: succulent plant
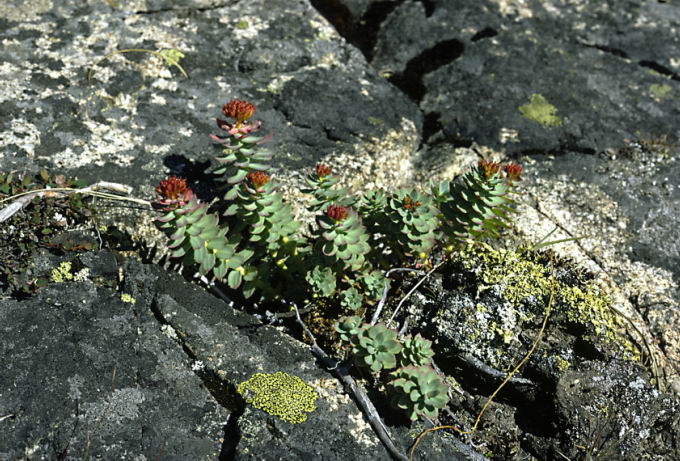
322, 185
376, 347
348, 327
322, 280
351, 299
416, 351
196, 234
339, 256
341, 239
267, 221
479, 204
412, 223
418, 391
373, 283
241, 154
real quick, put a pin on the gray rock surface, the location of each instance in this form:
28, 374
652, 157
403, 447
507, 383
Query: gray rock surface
154, 374
87, 375
419, 89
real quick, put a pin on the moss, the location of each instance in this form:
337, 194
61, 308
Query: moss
62, 273
539, 110
279, 394
524, 281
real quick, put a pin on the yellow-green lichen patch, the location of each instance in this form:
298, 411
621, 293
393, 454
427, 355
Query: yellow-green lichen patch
525, 281
561, 363
539, 110
279, 394
659, 91
126, 298
62, 273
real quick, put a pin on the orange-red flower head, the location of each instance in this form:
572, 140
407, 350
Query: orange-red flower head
337, 212
257, 179
323, 170
238, 110
489, 168
411, 204
513, 170
174, 191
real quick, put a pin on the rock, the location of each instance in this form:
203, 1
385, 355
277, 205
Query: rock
231, 347
153, 369
73, 103
89, 373
533, 77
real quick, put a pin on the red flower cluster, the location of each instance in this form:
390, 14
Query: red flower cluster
258, 179
411, 205
238, 110
323, 170
337, 212
513, 171
174, 191
489, 168
172, 188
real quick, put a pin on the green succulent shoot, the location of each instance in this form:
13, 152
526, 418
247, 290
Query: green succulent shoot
376, 347
351, 299
416, 351
348, 327
323, 186
413, 223
321, 280
419, 391
479, 204
196, 234
342, 238
241, 153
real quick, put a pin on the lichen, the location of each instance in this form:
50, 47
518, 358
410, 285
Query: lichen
62, 272
659, 91
126, 298
524, 281
279, 394
539, 110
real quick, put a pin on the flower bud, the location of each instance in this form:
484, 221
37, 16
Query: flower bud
337, 212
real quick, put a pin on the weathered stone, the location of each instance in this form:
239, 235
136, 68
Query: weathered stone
89, 374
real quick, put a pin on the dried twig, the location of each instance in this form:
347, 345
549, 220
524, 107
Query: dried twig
381, 304
342, 373
415, 287
21, 200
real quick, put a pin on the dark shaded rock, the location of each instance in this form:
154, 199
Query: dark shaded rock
610, 410
153, 370
231, 346
474, 69
89, 375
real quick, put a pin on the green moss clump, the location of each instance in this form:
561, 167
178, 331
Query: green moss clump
540, 111
279, 394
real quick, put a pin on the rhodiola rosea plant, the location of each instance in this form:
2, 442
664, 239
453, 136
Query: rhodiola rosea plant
257, 244
258, 247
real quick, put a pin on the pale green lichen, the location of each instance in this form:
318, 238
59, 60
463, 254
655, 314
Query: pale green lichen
126, 298
279, 394
562, 364
660, 91
539, 110
62, 272
524, 281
